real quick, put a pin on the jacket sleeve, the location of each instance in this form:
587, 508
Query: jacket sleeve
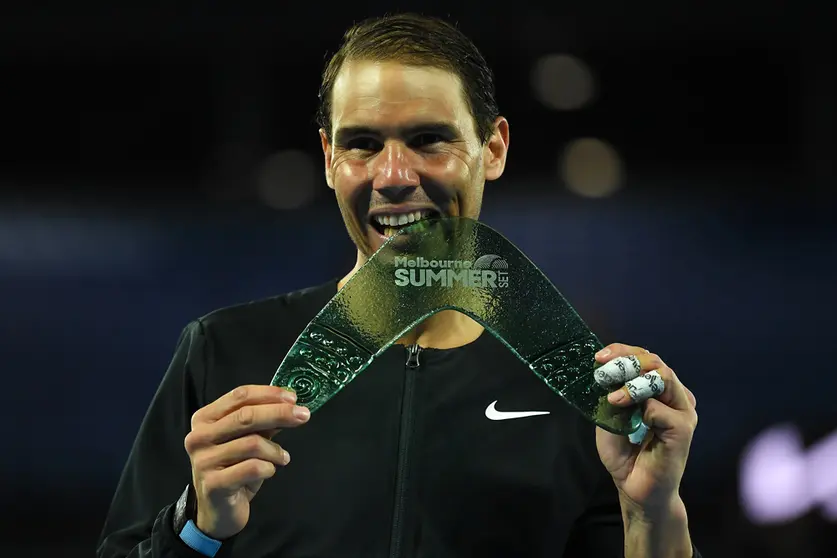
599, 531
139, 521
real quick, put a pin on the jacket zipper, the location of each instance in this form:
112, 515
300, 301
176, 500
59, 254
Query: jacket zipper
401, 479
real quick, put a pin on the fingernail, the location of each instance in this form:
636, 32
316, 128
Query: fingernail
617, 397
286, 456
289, 395
301, 413
603, 353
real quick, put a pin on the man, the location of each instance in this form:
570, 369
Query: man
404, 461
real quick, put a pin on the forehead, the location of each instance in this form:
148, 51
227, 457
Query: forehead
385, 94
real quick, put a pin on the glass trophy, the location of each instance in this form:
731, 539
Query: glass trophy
452, 263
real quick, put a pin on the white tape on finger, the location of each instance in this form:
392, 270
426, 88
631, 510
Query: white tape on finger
639, 436
645, 387
618, 371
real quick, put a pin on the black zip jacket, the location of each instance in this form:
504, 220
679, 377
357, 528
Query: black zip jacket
404, 462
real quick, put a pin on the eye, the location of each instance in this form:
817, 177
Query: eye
364, 144
426, 140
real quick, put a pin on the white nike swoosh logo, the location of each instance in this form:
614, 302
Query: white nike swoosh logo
493, 414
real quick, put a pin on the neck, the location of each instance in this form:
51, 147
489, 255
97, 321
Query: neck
447, 329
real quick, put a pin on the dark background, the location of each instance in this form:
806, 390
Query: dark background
160, 161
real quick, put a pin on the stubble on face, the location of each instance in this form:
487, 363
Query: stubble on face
384, 106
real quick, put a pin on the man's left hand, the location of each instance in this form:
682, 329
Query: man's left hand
647, 475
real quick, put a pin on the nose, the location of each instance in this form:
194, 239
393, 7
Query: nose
395, 170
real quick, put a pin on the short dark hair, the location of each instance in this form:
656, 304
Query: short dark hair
421, 41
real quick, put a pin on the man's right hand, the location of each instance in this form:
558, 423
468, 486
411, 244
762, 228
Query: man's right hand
232, 454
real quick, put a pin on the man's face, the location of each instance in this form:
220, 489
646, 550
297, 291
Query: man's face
404, 147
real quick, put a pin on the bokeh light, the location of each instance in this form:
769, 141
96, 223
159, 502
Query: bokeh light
591, 168
563, 82
287, 180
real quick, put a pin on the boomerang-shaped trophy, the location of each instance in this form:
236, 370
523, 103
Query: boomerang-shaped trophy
452, 263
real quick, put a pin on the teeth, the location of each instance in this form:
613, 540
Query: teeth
402, 219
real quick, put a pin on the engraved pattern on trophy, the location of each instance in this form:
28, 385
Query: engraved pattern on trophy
566, 370
566, 365
319, 365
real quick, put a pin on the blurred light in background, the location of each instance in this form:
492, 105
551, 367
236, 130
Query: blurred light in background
591, 168
72, 245
562, 82
287, 180
782, 481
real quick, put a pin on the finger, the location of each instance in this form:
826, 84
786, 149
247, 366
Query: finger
639, 389
269, 434
252, 419
259, 418
676, 395
618, 371
619, 349
240, 397
227, 481
662, 384
238, 450
664, 420
692, 398
624, 368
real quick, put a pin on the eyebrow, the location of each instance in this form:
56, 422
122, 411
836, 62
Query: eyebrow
343, 135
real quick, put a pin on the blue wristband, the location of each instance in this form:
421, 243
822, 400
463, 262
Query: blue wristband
197, 541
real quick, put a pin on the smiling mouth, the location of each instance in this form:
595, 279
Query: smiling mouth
388, 224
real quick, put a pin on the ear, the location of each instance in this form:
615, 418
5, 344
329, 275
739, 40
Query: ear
496, 149
327, 154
